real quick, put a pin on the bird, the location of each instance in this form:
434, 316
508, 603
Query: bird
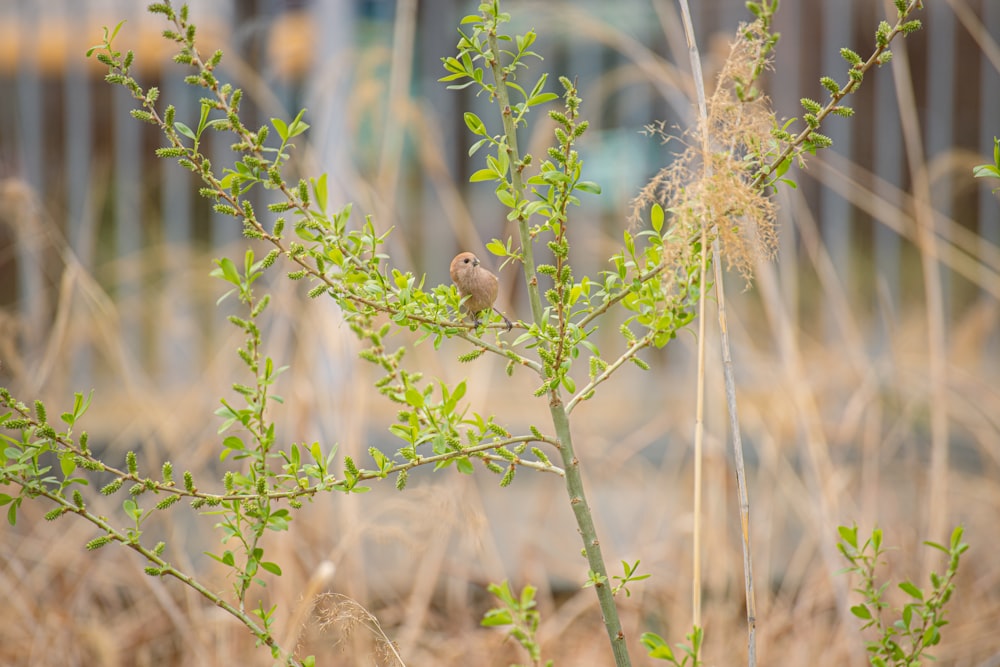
478, 284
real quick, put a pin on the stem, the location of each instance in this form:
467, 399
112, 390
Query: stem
699, 418
741, 475
584, 393
585, 523
510, 131
557, 409
727, 367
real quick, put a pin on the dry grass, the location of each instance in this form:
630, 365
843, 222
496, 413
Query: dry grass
419, 560
836, 425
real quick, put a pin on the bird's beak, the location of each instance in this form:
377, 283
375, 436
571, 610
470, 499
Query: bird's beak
475, 261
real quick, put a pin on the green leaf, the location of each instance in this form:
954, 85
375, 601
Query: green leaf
233, 442
589, 186
476, 146
496, 617
907, 617
528, 597
956, 537
497, 248
658, 648
986, 171
203, 119
849, 535
935, 545
514, 86
273, 568
541, 98
297, 127
484, 175
464, 466
12, 512
185, 130
455, 397
228, 271
131, 508
475, 125
911, 590
414, 398
525, 41
861, 611
501, 163
67, 463
656, 217
319, 191
505, 197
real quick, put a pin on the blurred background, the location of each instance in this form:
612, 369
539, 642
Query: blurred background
866, 354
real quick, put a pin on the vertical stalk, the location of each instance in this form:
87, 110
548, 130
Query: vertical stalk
557, 409
741, 475
699, 419
585, 524
510, 131
727, 367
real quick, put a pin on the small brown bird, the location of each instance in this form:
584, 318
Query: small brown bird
476, 283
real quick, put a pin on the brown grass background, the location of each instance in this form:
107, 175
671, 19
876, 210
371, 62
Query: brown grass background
835, 400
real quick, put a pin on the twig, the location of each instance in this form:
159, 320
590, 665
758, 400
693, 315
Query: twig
630, 353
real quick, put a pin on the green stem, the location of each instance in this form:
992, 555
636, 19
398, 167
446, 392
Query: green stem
630, 353
560, 417
585, 523
510, 130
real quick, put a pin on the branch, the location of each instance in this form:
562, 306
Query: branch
901, 27
586, 392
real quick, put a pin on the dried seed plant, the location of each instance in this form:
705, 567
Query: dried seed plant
717, 190
343, 616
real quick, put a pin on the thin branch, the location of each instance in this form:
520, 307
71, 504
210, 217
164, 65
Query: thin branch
424, 460
604, 307
170, 489
835, 99
510, 132
630, 353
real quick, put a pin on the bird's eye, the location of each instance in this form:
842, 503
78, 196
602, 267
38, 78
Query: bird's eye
466, 260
